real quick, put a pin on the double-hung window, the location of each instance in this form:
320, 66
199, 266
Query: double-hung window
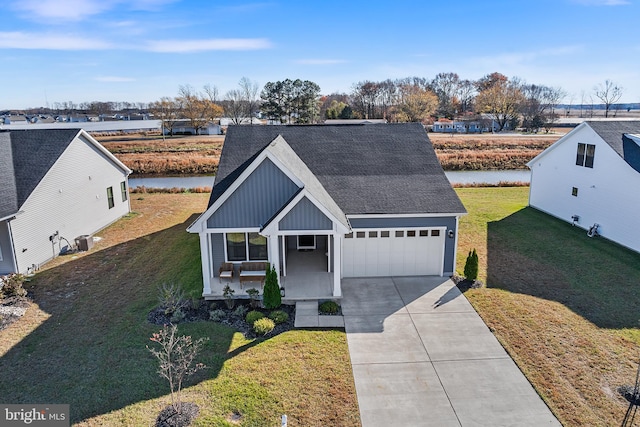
246, 247
585, 155
110, 201
123, 191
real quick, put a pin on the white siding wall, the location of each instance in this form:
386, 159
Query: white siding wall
70, 199
607, 194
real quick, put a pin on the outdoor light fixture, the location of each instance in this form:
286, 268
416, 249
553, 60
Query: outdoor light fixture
282, 292
450, 234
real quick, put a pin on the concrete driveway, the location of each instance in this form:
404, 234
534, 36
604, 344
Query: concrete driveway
421, 356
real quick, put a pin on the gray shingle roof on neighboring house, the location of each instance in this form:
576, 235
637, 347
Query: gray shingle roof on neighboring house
32, 153
381, 169
614, 133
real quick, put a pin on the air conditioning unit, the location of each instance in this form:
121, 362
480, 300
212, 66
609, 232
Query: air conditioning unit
84, 242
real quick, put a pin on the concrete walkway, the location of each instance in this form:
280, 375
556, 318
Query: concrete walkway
307, 317
421, 356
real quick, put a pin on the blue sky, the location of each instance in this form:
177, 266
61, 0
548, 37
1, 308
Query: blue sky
140, 50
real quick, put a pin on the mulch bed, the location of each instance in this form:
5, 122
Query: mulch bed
168, 417
229, 317
464, 284
12, 309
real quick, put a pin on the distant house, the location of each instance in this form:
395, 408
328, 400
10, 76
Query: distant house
183, 127
323, 202
465, 126
590, 177
55, 185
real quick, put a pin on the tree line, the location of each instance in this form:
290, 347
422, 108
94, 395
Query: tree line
510, 102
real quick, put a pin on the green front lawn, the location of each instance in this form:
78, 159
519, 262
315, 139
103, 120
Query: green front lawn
84, 341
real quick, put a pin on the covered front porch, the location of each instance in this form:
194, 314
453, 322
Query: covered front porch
305, 273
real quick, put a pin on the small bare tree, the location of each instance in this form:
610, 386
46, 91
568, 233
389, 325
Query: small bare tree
609, 93
176, 358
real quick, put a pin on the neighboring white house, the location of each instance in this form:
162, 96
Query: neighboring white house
55, 185
591, 177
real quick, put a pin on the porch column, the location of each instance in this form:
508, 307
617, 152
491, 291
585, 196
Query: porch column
274, 253
205, 254
337, 267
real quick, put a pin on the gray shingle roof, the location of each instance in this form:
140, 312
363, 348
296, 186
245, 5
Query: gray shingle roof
381, 169
29, 156
613, 133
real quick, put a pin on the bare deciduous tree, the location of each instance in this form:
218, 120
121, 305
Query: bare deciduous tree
609, 93
249, 90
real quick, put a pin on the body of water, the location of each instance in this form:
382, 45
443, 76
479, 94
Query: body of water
488, 177
455, 177
172, 181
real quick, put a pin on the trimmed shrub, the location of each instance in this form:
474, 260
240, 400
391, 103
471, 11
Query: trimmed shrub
278, 316
252, 316
240, 311
263, 326
329, 307
171, 297
271, 295
471, 266
216, 315
177, 316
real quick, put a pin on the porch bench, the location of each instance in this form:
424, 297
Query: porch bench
253, 272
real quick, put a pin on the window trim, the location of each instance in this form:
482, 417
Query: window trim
123, 191
246, 247
585, 155
110, 199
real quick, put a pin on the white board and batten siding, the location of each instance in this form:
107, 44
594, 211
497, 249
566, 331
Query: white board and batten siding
607, 194
394, 252
71, 199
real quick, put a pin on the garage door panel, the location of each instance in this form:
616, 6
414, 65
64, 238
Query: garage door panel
402, 253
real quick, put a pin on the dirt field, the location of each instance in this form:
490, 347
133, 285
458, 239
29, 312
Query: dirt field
199, 155
176, 155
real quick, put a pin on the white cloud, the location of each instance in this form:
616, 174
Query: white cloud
21, 40
192, 46
114, 79
77, 10
602, 2
66, 10
319, 61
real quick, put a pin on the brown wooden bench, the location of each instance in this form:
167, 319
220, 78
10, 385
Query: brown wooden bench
253, 272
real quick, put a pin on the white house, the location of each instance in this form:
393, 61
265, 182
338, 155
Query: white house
55, 185
590, 177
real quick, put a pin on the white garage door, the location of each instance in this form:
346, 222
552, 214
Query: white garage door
396, 252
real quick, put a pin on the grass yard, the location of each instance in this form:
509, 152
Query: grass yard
83, 340
564, 306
